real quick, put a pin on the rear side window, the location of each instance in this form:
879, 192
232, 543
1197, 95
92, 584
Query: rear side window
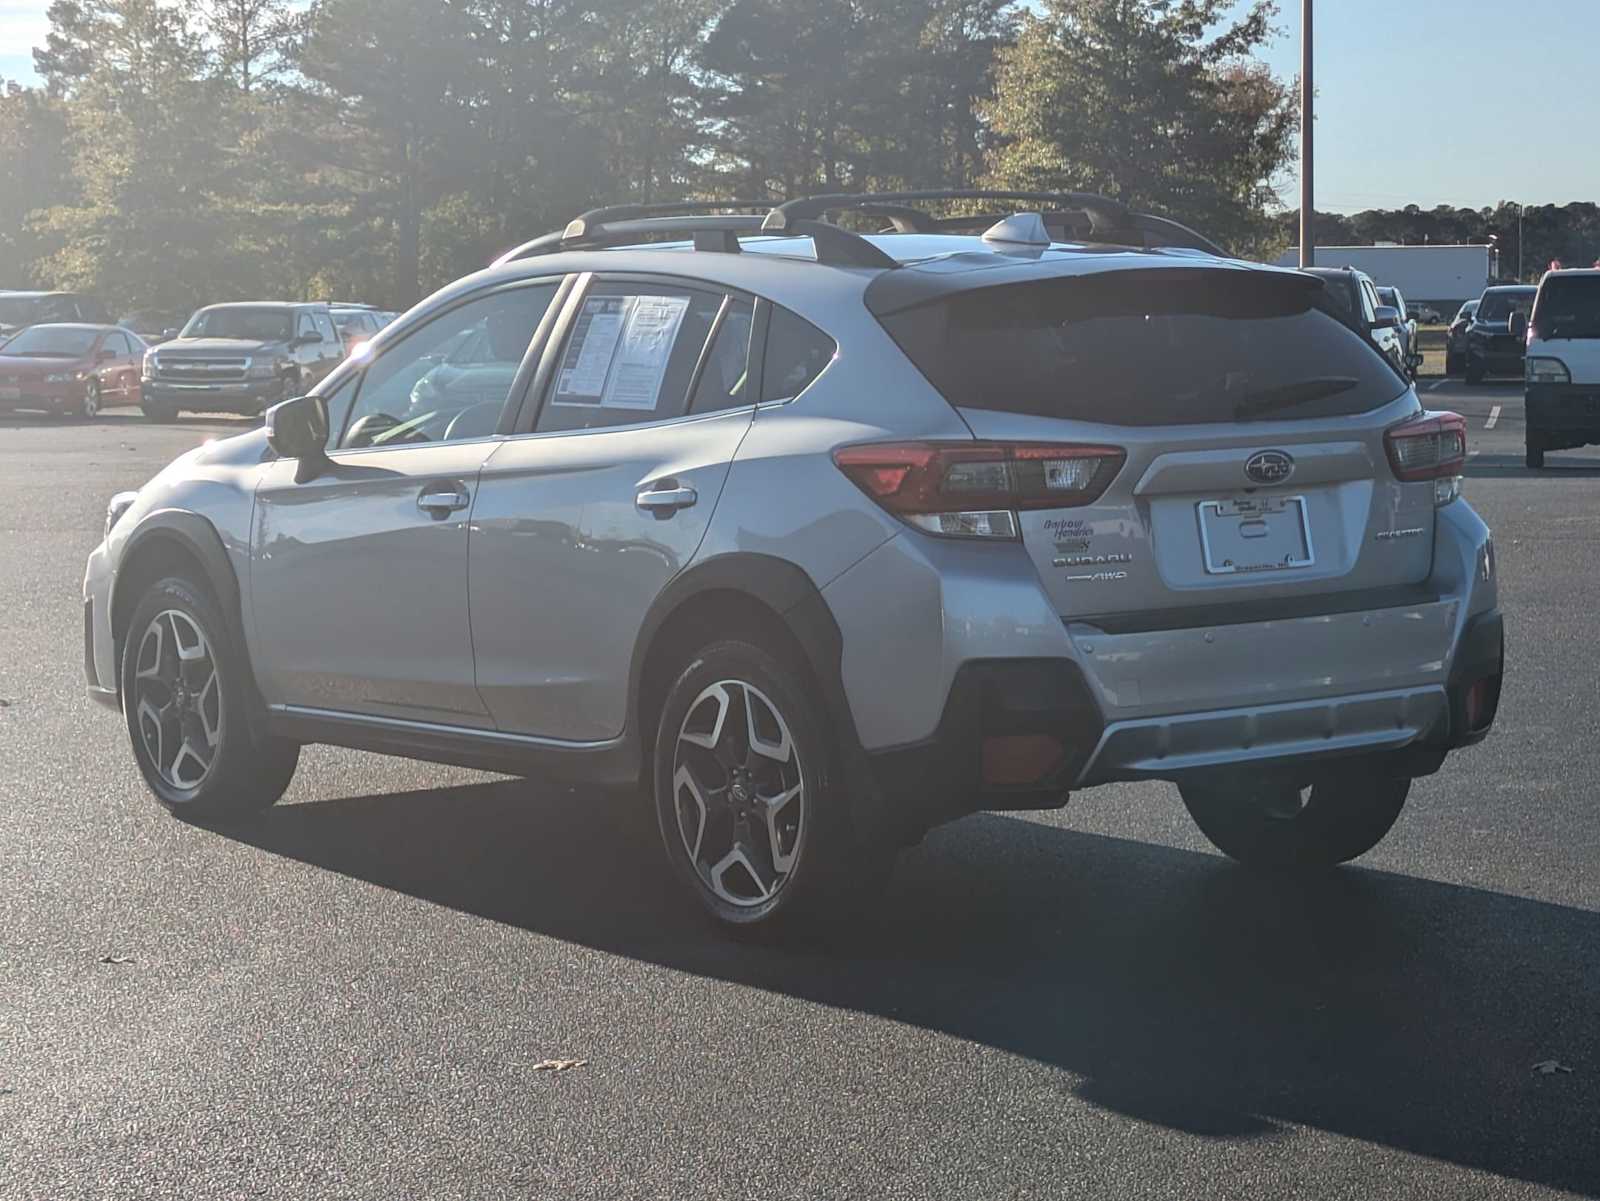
797, 351
630, 357
1168, 347
1568, 307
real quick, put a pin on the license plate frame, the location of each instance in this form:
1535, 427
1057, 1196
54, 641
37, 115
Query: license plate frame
1284, 524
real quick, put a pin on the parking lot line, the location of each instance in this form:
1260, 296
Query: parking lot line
1437, 384
1494, 415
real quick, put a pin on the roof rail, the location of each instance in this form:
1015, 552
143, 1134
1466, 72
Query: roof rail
1109, 220
712, 228
620, 226
1101, 209
579, 226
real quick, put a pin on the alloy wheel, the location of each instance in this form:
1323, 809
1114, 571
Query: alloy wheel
178, 700
739, 793
90, 407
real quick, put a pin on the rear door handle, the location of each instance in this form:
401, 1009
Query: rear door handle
665, 501
438, 499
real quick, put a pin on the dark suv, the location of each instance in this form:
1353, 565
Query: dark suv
1493, 347
1352, 297
240, 358
21, 309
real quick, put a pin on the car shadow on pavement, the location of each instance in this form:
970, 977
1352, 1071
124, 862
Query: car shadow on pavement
1179, 989
1501, 467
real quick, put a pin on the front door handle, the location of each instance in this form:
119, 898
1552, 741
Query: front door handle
438, 499
666, 499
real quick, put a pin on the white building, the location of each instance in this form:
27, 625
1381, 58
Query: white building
1442, 276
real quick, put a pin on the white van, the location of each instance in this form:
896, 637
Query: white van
1563, 363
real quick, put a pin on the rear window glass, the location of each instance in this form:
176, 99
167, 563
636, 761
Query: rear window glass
1162, 347
1568, 307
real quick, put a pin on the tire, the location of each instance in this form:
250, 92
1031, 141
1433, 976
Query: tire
1475, 372
161, 414
89, 407
185, 682
1272, 825
1534, 457
756, 868
1452, 364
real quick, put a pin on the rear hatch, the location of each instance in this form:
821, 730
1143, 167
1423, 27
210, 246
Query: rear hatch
1244, 437
1565, 326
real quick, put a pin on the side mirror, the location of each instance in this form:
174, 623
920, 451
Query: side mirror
106, 354
308, 338
168, 334
1518, 325
298, 429
1385, 317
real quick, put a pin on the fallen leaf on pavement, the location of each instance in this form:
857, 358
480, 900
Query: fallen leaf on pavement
559, 1065
1549, 1067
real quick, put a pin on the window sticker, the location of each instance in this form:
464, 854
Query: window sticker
620, 348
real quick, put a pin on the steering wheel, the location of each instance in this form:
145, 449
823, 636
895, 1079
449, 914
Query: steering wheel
366, 430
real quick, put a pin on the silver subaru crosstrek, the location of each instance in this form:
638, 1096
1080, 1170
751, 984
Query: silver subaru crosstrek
819, 538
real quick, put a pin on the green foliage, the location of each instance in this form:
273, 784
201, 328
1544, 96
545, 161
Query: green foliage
1155, 102
186, 151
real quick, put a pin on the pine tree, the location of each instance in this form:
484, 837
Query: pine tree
1154, 102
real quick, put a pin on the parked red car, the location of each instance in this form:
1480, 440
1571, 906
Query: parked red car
70, 368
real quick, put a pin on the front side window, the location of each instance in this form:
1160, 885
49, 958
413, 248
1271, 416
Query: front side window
252, 324
428, 387
1369, 303
630, 357
324, 327
118, 343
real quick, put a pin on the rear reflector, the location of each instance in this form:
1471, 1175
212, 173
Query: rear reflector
1011, 760
1430, 447
974, 489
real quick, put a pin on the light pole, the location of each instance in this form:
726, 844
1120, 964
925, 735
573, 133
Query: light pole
1308, 240
1519, 241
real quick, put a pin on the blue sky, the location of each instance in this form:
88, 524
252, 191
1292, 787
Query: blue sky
1464, 102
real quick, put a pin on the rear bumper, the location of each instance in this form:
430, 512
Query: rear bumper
243, 396
1563, 409
985, 666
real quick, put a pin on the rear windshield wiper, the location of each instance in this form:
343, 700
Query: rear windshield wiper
1286, 396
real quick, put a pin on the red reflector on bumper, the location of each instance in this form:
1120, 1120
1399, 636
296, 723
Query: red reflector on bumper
1015, 759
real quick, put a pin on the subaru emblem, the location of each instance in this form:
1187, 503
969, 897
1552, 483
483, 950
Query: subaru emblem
1269, 467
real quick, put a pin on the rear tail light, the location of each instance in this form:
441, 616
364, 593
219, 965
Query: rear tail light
1430, 447
975, 489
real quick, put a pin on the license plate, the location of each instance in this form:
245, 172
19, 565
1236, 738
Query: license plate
10, 393
1256, 533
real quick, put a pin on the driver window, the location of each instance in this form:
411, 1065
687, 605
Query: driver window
449, 379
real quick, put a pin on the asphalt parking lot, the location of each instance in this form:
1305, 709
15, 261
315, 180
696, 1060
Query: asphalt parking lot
349, 996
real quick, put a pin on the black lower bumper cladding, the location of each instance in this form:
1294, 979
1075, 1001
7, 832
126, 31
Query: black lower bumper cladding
935, 781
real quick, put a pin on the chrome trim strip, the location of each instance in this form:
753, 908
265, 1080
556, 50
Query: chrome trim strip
499, 737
